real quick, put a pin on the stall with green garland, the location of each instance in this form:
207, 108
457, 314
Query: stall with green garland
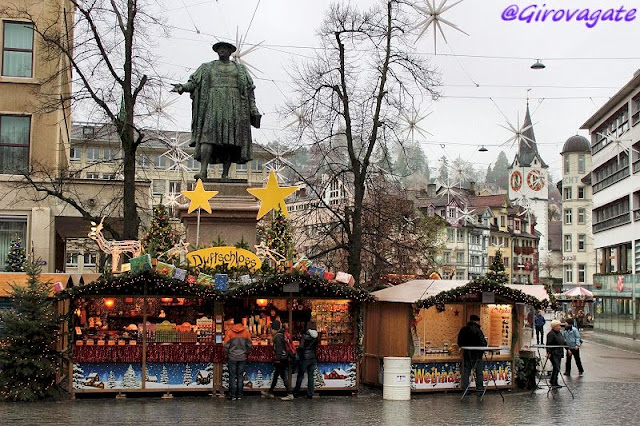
426, 316
143, 332
295, 299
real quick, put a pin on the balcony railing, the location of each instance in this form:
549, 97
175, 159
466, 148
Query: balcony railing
613, 222
528, 250
517, 249
611, 179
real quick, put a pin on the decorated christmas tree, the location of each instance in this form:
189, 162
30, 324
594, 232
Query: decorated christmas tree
278, 235
164, 376
318, 378
130, 380
16, 257
496, 272
27, 355
78, 376
160, 237
111, 382
186, 379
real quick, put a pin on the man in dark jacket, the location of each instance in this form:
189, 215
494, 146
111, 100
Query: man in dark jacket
281, 363
555, 354
237, 345
472, 335
539, 322
307, 355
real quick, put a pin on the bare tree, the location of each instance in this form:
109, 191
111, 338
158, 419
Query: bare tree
351, 96
104, 48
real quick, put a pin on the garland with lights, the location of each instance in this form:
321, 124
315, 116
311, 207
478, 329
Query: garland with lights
129, 284
478, 286
310, 286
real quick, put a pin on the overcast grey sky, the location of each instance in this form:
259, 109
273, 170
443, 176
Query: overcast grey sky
485, 74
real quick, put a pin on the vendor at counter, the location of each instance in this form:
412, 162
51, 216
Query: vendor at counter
472, 335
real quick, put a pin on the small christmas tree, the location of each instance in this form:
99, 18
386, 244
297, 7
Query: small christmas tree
111, 382
78, 376
16, 257
318, 378
225, 376
496, 272
27, 355
352, 374
130, 380
186, 379
164, 376
259, 383
279, 237
160, 237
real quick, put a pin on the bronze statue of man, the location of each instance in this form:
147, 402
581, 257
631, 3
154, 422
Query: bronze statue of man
223, 111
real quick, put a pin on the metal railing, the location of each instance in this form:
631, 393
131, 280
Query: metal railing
613, 222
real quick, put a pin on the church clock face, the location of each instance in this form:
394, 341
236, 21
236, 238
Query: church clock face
516, 180
535, 180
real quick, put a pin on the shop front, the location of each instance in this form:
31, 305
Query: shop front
294, 300
429, 314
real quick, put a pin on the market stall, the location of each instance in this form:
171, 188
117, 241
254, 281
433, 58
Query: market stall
296, 299
421, 319
577, 303
143, 332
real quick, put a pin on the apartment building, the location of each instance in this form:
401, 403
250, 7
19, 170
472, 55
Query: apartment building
615, 177
31, 136
578, 254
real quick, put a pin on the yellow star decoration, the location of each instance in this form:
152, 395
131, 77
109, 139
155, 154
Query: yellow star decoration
199, 197
272, 195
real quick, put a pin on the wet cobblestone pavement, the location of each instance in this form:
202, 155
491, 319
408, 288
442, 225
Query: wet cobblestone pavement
606, 395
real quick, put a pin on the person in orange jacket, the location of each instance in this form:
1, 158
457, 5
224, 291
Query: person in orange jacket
237, 345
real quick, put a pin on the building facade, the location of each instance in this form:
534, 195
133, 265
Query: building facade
615, 177
578, 254
32, 135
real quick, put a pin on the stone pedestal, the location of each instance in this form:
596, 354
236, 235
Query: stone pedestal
233, 215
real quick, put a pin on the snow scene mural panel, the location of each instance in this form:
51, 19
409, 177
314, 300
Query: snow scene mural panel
118, 376
258, 375
92, 376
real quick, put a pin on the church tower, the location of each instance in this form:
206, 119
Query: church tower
529, 183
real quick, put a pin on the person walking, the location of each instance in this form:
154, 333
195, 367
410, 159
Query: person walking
555, 354
281, 363
572, 338
307, 362
237, 345
472, 335
539, 322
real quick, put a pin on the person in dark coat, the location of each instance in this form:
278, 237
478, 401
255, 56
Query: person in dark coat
281, 363
307, 355
539, 322
472, 335
555, 338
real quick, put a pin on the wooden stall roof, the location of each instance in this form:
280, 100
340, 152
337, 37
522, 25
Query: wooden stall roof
415, 290
21, 278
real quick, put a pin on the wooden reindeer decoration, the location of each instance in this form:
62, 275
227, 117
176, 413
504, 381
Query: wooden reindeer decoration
113, 247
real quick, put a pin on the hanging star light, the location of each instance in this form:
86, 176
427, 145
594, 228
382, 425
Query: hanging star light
411, 121
241, 52
199, 197
279, 162
176, 155
272, 196
518, 131
300, 120
433, 16
449, 188
465, 215
460, 172
614, 141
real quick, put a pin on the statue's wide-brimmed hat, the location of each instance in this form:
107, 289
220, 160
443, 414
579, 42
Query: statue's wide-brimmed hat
220, 44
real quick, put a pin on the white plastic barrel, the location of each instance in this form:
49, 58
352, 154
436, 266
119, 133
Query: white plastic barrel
396, 383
